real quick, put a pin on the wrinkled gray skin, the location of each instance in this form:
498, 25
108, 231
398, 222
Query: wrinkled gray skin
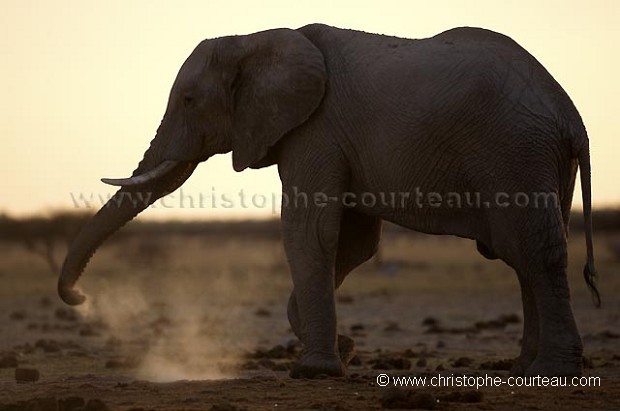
343, 111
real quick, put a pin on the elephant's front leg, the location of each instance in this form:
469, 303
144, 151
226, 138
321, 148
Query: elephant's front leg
310, 237
346, 345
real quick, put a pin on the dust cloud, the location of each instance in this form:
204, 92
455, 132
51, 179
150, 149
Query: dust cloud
166, 328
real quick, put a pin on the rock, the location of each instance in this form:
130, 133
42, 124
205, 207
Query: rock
71, 404
66, 314
392, 327
430, 321
24, 348
162, 322
391, 364
438, 329
357, 327
113, 342
225, 406
397, 398
422, 401
356, 361
498, 323
96, 405
470, 396
346, 348
18, 315
45, 302
266, 363
88, 331
114, 364
23, 375
510, 318
490, 325
462, 362
277, 352
292, 345
393, 398
48, 346
608, 335
282, 366
42, 404
497, 365
345, 299
8, 361
262, 312
250, 365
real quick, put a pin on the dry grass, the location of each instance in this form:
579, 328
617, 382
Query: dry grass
169, 308
251, 271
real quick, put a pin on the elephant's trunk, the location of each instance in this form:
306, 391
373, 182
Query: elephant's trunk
120, 209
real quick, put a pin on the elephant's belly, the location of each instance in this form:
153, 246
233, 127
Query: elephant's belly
430, 213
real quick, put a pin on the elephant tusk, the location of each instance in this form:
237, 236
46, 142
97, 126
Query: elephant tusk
163, 168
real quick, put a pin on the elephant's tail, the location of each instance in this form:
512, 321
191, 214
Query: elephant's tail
589, 272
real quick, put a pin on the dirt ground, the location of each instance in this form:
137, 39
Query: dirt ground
191, 324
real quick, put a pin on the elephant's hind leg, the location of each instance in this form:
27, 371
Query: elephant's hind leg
357, 242
485, 251
529, 342
543, 249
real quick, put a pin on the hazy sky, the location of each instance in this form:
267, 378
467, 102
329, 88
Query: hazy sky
85, 83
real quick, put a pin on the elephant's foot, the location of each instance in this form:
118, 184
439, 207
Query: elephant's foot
346, 349
314, 365
519, 367
522, 363
555, 367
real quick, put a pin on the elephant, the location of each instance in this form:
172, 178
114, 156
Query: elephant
348, 116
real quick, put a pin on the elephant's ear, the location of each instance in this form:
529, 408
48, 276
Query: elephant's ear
280, 82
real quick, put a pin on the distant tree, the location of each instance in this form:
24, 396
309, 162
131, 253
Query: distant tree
42, 236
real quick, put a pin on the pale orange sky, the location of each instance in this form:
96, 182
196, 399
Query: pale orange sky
85, 83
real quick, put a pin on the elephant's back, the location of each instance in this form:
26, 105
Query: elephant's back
474, 35
466, 95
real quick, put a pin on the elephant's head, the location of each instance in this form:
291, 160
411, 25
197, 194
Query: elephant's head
240, 93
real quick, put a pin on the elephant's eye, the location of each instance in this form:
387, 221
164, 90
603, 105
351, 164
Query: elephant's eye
188, 101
